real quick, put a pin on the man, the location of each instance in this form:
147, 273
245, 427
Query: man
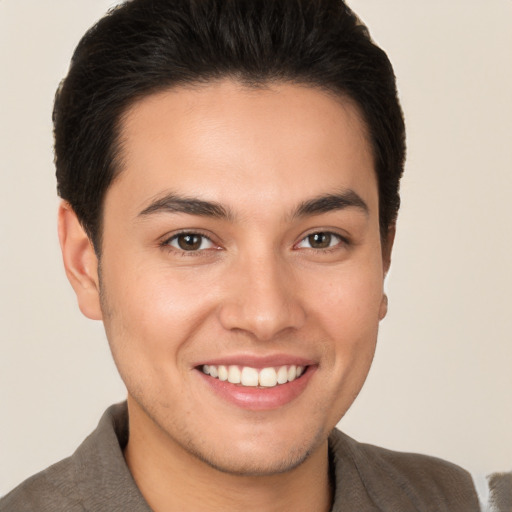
229, 174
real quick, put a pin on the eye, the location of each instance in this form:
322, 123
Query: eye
190, 242
320, 240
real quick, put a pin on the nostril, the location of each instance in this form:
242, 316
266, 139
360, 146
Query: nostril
264, 322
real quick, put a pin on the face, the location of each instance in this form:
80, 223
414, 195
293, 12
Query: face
241, 243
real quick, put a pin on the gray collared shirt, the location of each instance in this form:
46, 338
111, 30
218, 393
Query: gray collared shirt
367, 478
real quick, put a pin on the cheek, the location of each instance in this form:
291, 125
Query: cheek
348, 309
350, 298
151, 316
351, 315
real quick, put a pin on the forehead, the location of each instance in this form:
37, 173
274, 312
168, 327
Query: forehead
231, 143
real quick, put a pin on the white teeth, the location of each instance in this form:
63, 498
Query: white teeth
223, 373
234, 375
252, 377
282, 375
249, 376
268, 377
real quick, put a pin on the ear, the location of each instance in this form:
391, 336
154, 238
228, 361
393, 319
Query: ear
387, 247
80, 262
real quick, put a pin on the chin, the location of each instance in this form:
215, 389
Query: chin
260, 464
257, 455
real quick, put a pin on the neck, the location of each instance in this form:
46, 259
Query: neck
171, 479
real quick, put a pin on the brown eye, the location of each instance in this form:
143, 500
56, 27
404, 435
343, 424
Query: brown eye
320, 240
190, 242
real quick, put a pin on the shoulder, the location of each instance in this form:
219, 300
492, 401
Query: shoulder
426, 482
409, 466
94, 475
50, 490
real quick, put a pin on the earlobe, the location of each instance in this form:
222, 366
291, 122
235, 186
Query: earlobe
80, 262
383, 307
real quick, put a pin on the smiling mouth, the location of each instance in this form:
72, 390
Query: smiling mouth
253, 377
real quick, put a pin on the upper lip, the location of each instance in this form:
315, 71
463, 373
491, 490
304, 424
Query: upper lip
257, 361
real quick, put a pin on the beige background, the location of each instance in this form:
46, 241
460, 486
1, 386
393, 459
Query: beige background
442, 378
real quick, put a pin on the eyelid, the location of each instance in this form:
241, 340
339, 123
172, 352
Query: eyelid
168, 239
342, 240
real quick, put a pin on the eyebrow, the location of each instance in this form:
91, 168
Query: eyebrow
173, 203
331, 202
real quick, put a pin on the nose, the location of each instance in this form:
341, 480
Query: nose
262, 299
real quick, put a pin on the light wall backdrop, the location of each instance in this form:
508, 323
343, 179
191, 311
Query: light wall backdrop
441, 382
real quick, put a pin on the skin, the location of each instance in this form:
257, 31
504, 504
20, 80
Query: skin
256, 286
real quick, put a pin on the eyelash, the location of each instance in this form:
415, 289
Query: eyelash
167, 243
341, 241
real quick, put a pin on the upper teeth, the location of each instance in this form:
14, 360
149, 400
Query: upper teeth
247, 376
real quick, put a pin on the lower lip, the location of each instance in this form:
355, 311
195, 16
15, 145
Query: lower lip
259, 398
